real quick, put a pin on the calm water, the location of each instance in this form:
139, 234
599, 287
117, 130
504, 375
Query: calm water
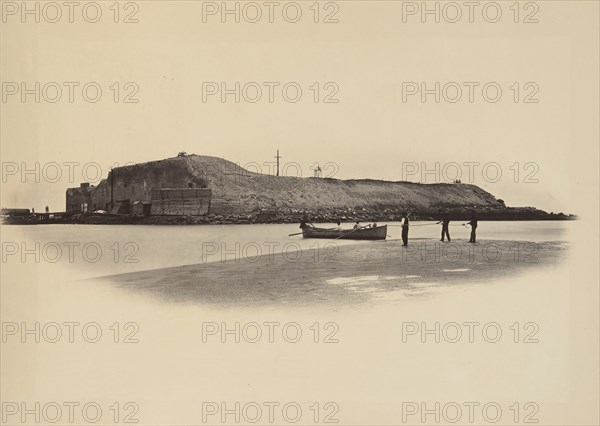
97, 250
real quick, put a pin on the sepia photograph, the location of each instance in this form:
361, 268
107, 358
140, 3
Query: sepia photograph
310, 212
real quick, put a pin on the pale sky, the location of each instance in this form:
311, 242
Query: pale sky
369, 133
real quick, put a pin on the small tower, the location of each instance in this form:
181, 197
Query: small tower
318, 171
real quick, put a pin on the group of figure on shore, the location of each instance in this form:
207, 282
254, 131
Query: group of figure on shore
446, 225
405, 224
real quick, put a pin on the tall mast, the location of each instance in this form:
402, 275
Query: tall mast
277, 157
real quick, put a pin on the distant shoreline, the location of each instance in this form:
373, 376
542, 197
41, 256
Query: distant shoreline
291, 216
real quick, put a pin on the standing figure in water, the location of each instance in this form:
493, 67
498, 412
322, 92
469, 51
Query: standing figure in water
405, 223
473, 224
445, 225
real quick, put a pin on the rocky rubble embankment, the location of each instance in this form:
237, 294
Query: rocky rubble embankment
324, 215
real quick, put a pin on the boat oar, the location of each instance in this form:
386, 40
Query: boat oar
297, 233
354, 230
418, 224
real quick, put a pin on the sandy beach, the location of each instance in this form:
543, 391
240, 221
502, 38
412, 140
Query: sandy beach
340, 275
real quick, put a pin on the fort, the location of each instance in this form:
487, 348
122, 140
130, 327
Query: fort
203, 189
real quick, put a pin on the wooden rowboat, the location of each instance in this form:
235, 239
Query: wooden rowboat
378, 233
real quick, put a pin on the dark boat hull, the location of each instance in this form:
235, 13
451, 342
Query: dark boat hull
378, 233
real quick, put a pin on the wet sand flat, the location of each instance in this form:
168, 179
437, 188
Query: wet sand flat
343, 274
